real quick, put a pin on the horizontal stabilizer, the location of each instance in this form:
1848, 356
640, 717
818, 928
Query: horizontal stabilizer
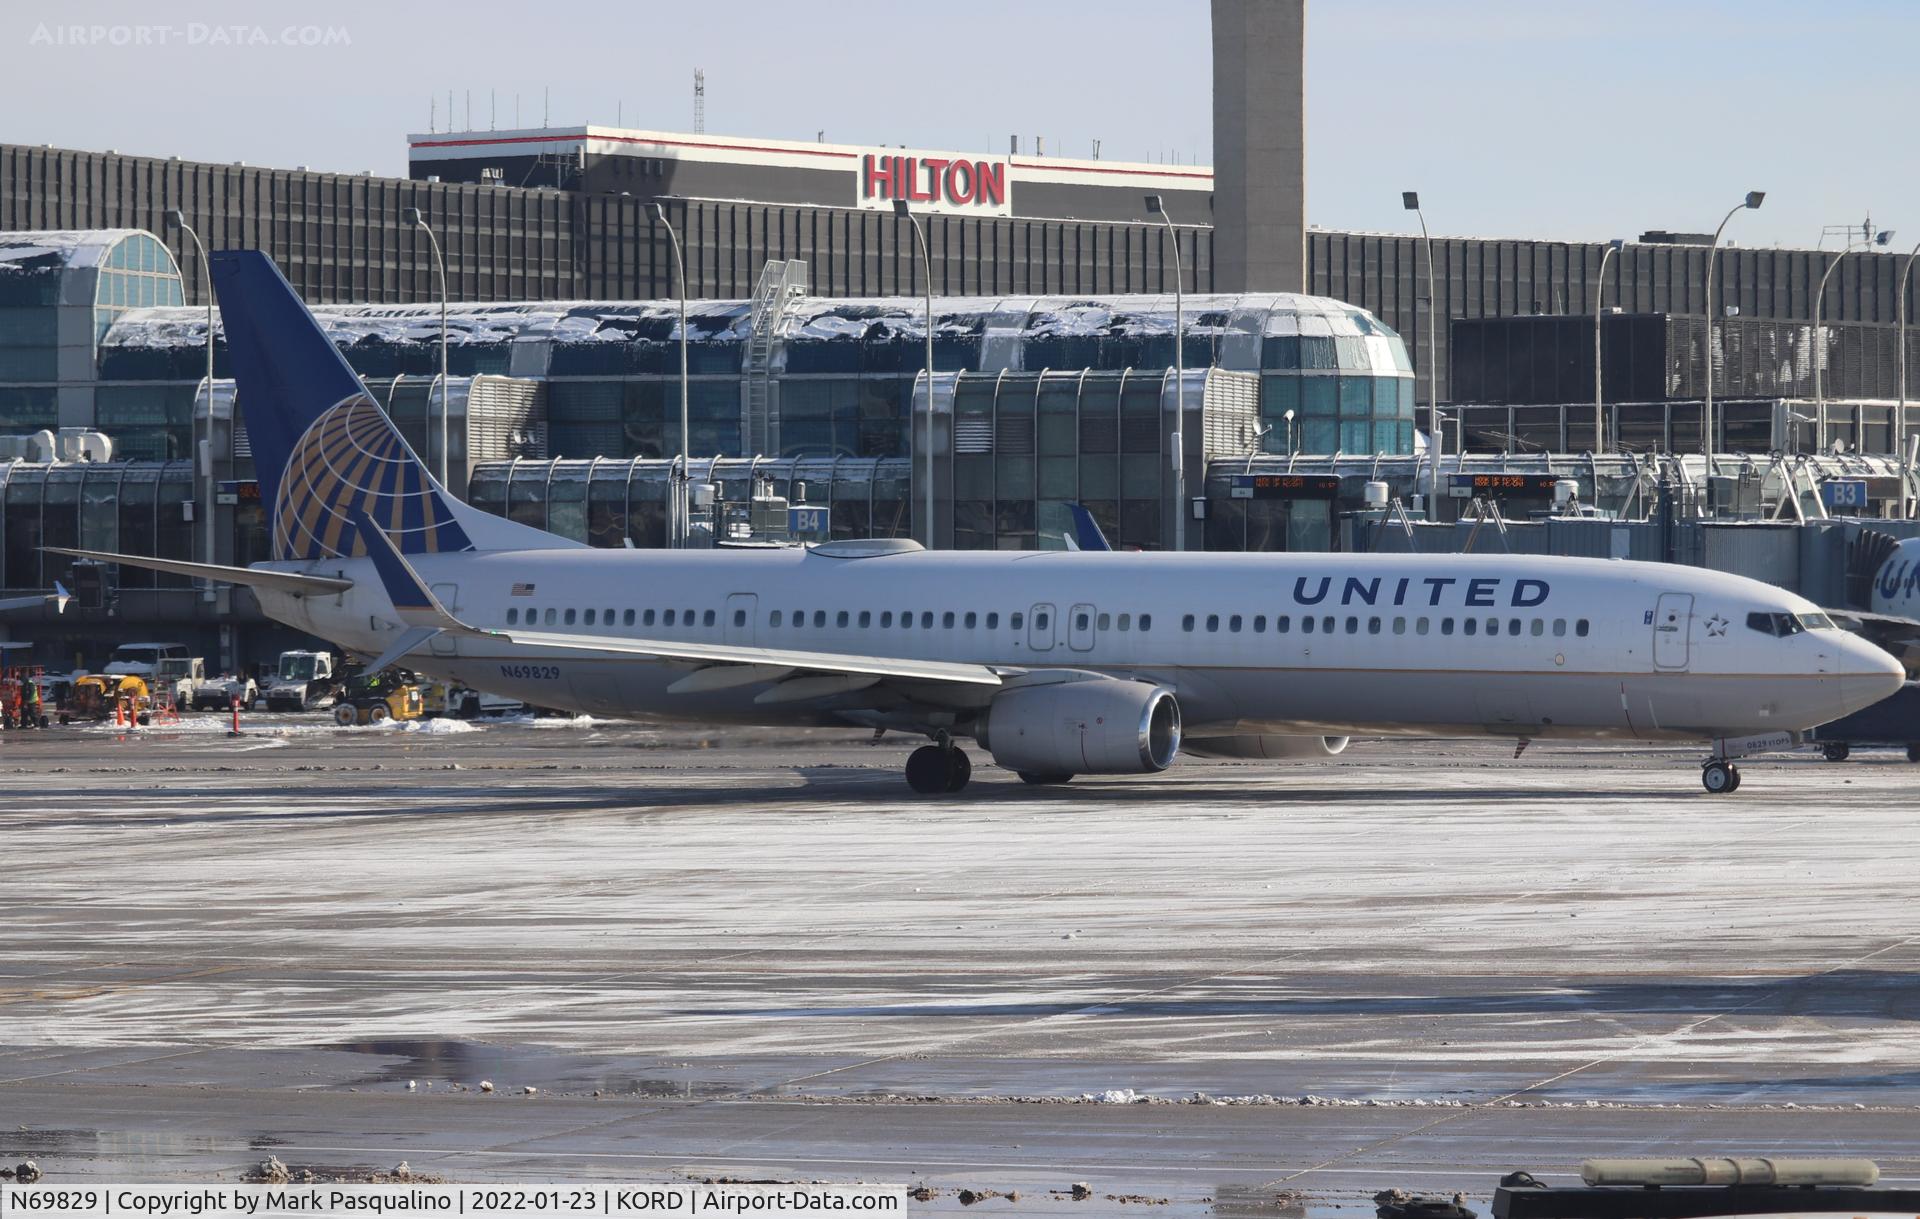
251, 577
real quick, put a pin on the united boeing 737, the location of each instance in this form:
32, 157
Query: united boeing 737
1055, 664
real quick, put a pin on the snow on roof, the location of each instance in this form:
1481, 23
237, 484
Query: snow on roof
885, 318
34, 250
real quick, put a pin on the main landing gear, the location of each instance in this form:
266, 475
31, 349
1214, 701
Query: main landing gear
1720, 777
939, 768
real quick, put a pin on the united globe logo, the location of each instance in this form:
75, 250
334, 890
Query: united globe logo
350, 461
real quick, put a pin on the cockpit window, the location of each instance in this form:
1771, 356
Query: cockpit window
1815, 622
1776, 624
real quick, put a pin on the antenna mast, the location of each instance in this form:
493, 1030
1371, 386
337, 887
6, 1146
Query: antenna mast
699, 100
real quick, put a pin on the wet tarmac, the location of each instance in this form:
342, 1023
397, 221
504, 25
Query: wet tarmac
760, 957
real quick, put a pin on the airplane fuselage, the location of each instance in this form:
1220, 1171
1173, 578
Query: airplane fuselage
1517, 646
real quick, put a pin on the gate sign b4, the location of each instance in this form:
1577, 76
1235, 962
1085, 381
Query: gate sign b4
807, 521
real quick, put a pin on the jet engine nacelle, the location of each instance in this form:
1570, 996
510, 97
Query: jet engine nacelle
1268, 748
1104, 726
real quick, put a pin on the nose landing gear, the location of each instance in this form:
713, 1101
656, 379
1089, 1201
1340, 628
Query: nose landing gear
939, 768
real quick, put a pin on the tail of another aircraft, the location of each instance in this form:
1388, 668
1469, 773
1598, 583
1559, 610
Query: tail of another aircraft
325, 452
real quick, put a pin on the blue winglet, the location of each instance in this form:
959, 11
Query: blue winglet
1086, 530
414, 601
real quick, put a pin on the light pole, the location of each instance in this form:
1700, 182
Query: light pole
926, 268
1900, 425
682, 512
1599, 290
1436, 439
1289, 419
1753, 200
1819, 308
203, 449
412, 216
1156, 206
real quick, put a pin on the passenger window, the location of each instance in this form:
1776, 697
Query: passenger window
1513, 626
946, 620
666, 619
1399, 626
1259, 624
971, 619
686, 617
1306, 625
1539, 627
773, 619
706, 619
1353, 626
739, 617
1559, 627
1373, 626
1039, 621
906, 620
993, 621
799, 617
626, 619
606, 617
1281, 624
589, 617
1493, 626
1186, 622
1420, 626
1080, 621
1146, 622
926, 620
571, 614
1580, 628
1213, 623
866, 618
513, 616
1233, 624
820, 618
1100, 623
886, 618
1446, 626
1470, 625
840, 619
1326, 625
1015, 620
647, 618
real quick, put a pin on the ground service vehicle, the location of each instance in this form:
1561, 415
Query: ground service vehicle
375, 698
140, 659
1891, 721
175, 678
305, 681
21, 691
219, 693
95, 696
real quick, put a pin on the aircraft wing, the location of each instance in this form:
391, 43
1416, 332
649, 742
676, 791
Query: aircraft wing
278, 581
1898, 635
59, 597
422, 611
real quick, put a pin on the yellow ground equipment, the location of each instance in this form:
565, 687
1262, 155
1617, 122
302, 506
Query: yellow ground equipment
375, 698
98, 696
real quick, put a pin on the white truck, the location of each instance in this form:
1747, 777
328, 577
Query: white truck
305, 681
218, 693
175, 680
141, 659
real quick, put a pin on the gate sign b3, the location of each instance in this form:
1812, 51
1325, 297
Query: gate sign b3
1844, 492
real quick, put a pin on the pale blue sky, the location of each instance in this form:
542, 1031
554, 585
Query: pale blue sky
1571, 118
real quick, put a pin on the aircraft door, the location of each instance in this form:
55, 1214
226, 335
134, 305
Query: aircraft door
445, 643
1672, 625
1040, 628
1080, 628
741, 608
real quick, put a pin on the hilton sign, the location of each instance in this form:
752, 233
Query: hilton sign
937, 184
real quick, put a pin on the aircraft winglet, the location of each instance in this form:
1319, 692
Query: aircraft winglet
412, 599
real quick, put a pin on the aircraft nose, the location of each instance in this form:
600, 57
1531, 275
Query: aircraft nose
1868, 673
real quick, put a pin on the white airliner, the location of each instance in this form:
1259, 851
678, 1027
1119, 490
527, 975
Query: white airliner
1884, 589
1056, 663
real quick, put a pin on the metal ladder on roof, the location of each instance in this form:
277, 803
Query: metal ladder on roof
781, 281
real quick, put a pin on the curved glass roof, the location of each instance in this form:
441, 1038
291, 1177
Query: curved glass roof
969, 332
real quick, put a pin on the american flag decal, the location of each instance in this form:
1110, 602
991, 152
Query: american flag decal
523, 590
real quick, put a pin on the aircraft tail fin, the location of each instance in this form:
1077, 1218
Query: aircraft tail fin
324, 449
1086, 530
1866, 555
